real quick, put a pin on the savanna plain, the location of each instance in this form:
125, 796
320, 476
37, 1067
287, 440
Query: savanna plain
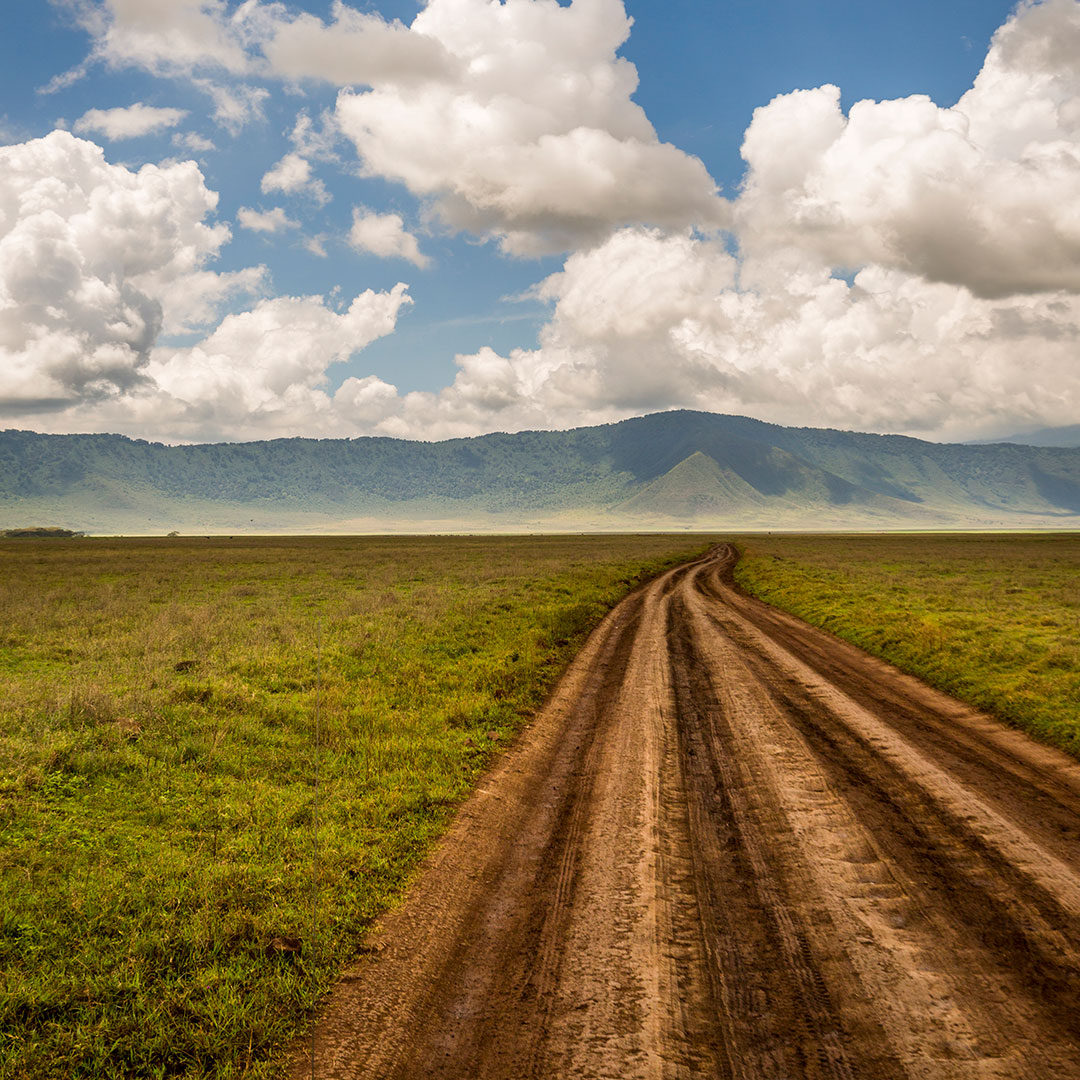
220, 760
168, 705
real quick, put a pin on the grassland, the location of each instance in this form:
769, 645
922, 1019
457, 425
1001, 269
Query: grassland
158, 767
992, 619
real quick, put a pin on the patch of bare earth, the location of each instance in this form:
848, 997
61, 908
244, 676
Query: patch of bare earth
733, 846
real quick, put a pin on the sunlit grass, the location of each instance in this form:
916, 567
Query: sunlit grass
158, 763
991, 619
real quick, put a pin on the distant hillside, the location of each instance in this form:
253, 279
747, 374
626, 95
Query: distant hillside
668, 470
1069, 435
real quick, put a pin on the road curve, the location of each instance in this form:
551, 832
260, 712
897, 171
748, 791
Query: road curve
733, 846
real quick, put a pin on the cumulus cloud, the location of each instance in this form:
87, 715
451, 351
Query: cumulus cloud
889, 351
168, 37
650, 320
265, 221
194, 300
292, 176
531, 135
647, 320
385, 235
957, 231
982, 194
513, 120
98, 263
95, 261
129, 122
354, 48
177, 37
261, 373
265, 370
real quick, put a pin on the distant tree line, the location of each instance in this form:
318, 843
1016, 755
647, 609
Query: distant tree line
38, 532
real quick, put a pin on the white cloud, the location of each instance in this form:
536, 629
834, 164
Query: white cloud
531, 135
129, 122
261, 373
65, 78
983, 194
265, 370
94, 261
292, 175
795, 345
650, 321
514, 120
193, 142
197, 39
962, 223
316, 142
385, 235
647, 320
168, 37
194, 300
235, 105
268, 221
353, 49
178, 37
97, 262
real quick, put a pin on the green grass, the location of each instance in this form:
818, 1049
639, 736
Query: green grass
991, 619
157, 767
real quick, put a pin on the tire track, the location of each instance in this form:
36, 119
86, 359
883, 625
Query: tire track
732, 846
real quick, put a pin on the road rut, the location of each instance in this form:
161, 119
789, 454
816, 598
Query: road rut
733, 846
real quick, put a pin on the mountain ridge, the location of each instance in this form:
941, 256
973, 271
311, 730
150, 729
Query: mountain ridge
674, 469
1067, 435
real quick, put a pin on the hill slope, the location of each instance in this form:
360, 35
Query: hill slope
696, 487
660, 471
1069, 435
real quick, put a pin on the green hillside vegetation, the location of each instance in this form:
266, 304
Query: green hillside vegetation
38, 532
992, 620
158, 763
697, 487
668, 470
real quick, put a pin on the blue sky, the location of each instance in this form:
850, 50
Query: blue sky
574, 248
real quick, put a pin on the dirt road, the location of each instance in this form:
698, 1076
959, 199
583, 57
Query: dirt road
732, 846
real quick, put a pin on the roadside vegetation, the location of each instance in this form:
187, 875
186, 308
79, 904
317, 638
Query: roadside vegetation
158, 767
993, 619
